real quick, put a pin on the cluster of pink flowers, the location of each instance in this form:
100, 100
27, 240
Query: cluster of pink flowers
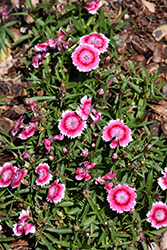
107, 179
81, 173
117, 133
49, 44
11, 175
23, 224
158, 215
93, 6
122, 198
73, 123
86, 56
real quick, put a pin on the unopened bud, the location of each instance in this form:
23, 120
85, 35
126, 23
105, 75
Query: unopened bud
65, 151
121, 93
86, 234
93, 146
100, 93
114, 157
147, 148
51, 157
131, 211
106, 224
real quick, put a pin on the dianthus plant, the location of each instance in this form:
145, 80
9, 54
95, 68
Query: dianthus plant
86, 172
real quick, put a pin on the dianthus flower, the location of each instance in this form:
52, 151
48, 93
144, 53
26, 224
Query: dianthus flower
58, 137
162, 181
28, 131
98, 41
85, 153
86, 58
108, 186
23, 225
71, 124
6, 173
158, 215
47, 143
96, 117
81, 174
42, 46
85, 108
56, 192
38, 59
18, 176
118, 133
25, 155
121, 198
17, 125
44, 176
99, 180
93, 6
88, 165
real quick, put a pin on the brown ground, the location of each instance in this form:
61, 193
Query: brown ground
143, 41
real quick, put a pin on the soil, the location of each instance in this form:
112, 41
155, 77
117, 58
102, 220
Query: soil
143, 41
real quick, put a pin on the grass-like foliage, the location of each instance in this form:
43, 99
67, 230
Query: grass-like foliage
86, 172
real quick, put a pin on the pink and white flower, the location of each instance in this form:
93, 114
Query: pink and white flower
44, 176
85, 153
108, 186
71, 124
47, 143
86, 58
158, 215
56, 192
17, 125
85, 108
23, 225
52, 43
99, 180
81, 174
27, 132
18, 176
58, 137
25, 155
119, 133
109, 175
88, 165
96, 117
6, 173
98, 41
42, 46
93, 6
162, 181
121, 198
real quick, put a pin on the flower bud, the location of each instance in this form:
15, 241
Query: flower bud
106, 224
65, 151
86, 234
85, 153
114, 157
121, 93
147, 148
93, 146
100, 93
51, 157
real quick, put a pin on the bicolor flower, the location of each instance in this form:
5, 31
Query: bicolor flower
27, 132
26, 155
42, 46
88, 165
85, 153
93, 6
158, 215
108, 186
22, 225
56, 192
98, 41
71, 124
7, 174
86, 58
17, 125
121, 198
96, 116
38, 59
82, 174
99, 180
18, 176
47, 143
117, 133
162, 181
85, 108
44, 176
58, 137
